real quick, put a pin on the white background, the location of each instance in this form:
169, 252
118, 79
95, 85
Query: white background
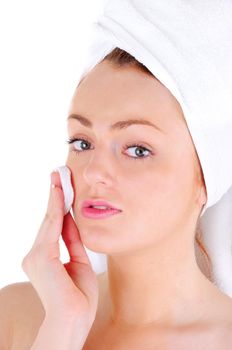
41, 47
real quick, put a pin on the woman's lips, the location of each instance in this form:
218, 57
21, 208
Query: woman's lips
91, 202
95, 213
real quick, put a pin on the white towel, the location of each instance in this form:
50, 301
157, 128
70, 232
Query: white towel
187, 45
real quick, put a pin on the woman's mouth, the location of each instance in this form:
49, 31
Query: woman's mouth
98, 212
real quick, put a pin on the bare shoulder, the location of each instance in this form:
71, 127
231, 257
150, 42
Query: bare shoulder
6, 329
23, 313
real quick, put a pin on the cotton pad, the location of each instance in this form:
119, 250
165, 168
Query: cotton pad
65, 177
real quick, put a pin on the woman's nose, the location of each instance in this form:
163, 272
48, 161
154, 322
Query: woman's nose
100, 167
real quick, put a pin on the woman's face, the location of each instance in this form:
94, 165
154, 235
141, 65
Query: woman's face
154, 184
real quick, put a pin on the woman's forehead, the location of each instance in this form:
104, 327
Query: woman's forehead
116, 97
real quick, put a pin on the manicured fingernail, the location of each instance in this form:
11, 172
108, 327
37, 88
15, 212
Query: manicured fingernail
51, 178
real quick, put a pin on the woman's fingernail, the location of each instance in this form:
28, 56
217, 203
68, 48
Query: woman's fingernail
51, 178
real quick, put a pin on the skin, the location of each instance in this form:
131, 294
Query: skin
153, 279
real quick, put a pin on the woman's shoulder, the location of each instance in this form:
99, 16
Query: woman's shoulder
22, 313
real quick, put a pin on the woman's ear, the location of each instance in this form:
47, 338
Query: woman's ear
202, 196
201, 192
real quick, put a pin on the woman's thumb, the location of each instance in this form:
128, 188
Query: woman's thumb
71, 237
79, 267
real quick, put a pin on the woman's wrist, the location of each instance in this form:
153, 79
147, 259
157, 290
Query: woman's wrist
58, 333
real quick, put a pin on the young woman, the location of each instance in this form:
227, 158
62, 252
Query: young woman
130, 147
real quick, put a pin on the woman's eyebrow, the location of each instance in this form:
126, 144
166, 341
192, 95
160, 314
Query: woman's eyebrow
118, 125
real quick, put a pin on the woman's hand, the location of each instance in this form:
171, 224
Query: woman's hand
70, 290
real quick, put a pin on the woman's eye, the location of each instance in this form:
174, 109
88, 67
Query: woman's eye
138, 148
138, 151
82, 143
